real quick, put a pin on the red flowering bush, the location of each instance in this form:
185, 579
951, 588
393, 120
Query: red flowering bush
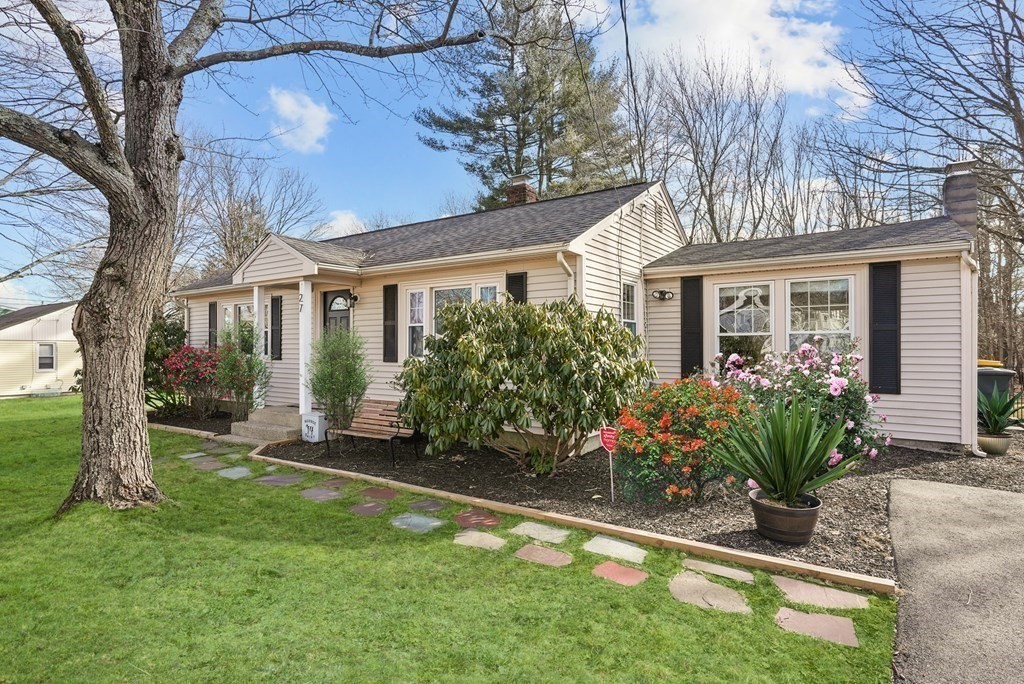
193, 372
665, 439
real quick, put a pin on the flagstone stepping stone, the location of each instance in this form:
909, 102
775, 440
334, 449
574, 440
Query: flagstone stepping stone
544, 533
720, 570
336, 482
616, 548
834, 628
479, 540
279, 480
799, 591
236, 473
320, 494
544, 556
698, 590
212, 444
212, 464
413, 522
232, 457
379, 493
428, 505
477, 517
195, 454
271, 468
370, 508
620, 574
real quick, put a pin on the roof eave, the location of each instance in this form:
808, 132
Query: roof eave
536, 250
952, 247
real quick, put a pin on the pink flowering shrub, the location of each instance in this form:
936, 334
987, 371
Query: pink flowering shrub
193, 372
832, 381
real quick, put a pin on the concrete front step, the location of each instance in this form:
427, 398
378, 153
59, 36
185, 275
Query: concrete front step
265, 432
282, 416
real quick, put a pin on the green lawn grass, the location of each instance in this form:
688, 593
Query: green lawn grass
234, 581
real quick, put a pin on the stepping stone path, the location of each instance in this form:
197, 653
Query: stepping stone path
368, 509
196, 454
544, 533
799, 591
236, 473
832, 628
232, 457
698, 590
206, 463
620, 574
279, 480
479, 540
477, 517
720, 570
616, 548
544, 556
380, 493
428, 505
320, 494
336, 482
413, 522
212, 444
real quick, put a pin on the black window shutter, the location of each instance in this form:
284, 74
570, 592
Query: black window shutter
275, 328
211, 340
692, 323
884, 340
515, 286
391, 323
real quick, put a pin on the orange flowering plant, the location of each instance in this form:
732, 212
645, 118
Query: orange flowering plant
664, 449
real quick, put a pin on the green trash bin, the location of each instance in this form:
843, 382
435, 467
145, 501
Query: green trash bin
992, 379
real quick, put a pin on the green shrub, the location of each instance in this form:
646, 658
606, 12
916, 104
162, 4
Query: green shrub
787, 451
666, 437
242, 374
192, 371
339, 376
511, 366
166, 335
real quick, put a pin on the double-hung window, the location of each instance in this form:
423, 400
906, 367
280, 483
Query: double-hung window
46, 356
417, 318
820, 307
629, 306
744, 315
425, 304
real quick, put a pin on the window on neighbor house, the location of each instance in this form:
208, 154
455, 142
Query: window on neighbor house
820, 307
744, 315
417, 316
629, 306
46, 356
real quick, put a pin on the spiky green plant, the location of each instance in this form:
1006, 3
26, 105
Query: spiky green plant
786, 450
995, 411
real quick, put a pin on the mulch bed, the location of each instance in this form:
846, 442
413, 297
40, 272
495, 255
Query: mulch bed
219, 424
852, 532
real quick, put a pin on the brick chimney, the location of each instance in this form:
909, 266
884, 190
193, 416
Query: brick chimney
520, 191
960, 194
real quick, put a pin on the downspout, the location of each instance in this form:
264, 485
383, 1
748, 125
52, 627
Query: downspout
973, 265
568, 271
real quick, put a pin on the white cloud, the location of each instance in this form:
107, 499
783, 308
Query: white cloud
343, 222
14, 295
792, 35
303, 124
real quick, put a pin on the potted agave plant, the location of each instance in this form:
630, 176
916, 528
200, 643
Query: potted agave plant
786, 451
995, 415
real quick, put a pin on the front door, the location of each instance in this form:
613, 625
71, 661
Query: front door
337, 313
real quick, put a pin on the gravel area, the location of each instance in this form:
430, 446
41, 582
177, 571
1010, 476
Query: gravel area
852, 532
219, 423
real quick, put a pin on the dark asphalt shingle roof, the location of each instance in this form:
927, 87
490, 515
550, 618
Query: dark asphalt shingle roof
31, 312
216, 280
525, 225
326, 252
908, 234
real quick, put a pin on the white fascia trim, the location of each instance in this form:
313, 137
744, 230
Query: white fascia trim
864, 255
539, 250
185, 294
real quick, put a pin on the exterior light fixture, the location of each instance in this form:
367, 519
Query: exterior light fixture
665, 295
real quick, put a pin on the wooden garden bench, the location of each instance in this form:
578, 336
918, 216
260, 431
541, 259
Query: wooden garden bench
378, 419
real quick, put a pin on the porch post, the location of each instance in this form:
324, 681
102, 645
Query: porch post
305, 344
259, 340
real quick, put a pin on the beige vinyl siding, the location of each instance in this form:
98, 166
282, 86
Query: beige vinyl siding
664, 329
928, 407
274, 262
618, 253
18, 355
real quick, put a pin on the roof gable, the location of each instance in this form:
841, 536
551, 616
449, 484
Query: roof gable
30, 313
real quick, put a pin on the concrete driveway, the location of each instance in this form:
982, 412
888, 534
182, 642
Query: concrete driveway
960, 560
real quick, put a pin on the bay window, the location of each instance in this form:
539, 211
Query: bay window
744, 319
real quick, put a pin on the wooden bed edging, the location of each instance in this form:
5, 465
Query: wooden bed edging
205, 434
755, 560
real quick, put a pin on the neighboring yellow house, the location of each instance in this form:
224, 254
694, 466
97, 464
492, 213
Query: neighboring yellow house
38, 352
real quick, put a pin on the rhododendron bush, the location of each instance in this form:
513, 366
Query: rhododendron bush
193, 372
665, 439
832, 381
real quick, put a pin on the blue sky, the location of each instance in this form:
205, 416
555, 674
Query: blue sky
365, 158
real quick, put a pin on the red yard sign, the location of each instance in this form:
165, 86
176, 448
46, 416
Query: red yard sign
609, 437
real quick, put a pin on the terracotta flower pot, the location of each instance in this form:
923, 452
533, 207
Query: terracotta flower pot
995, 445
782, 523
